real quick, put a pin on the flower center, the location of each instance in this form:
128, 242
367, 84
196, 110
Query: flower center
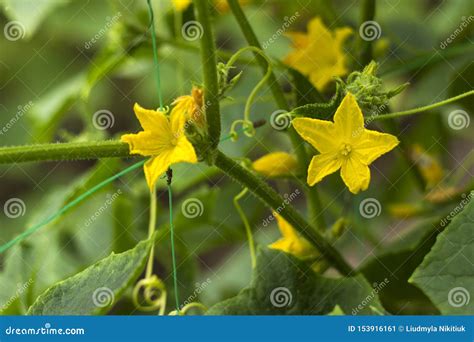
174, 141
345, 149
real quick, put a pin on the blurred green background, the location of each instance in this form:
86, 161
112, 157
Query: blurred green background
75, 58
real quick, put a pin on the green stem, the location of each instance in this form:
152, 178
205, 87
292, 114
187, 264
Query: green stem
277, 92
116, 148
365, 46
68, 151
173, 252
248, 230
316, 215
422, 109
270, 198
64, 151
151, 231
209, 66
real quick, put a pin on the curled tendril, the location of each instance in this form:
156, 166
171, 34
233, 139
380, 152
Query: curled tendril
154, 295
247, 128
188, 307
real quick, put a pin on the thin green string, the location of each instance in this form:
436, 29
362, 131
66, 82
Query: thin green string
155, 53
173, 253
68, 206
75, 202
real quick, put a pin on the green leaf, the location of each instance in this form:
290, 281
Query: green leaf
97, 288
446, 274
397, 264
284, 285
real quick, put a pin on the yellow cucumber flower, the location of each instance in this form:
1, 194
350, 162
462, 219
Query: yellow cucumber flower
192, 106
430, 168
220, 5
162, 139
181, 5
319, 53
275, 164
292, 242
344, 144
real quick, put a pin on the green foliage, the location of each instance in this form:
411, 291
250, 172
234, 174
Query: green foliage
446, 274
284, 285
94, 290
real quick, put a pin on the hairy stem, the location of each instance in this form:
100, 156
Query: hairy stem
270, 198
64, 151
424, 108
209, 66
278, 95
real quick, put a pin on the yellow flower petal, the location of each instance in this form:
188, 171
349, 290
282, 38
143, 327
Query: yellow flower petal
151, 120
162, 140
320, 134
299, 40
286, 229
321, 166
181, 5
155, 167
341, 34
373, 144
346, 143
276, 164
184, 152
348, 118
191, 106
291, 242
146, 143
319, 53
355, 174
